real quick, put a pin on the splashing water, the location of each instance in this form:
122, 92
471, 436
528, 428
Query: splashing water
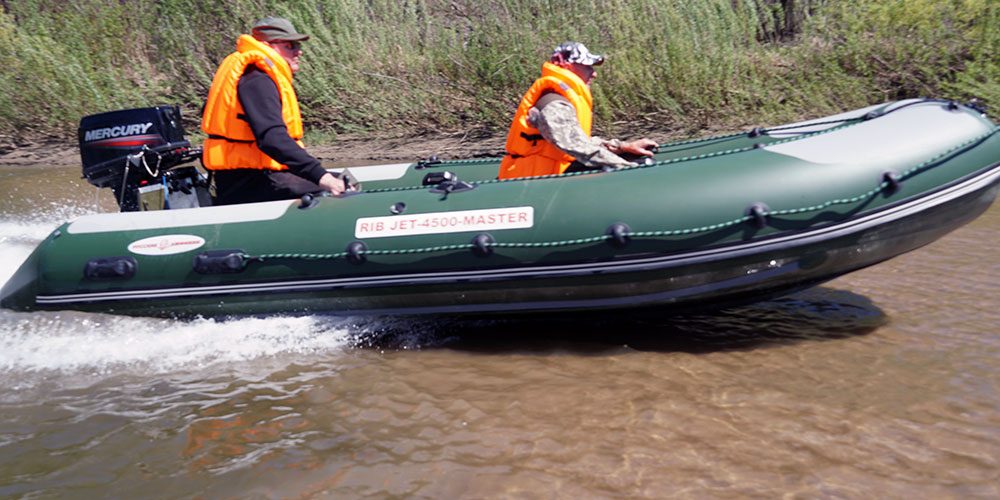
35, 346
104, 344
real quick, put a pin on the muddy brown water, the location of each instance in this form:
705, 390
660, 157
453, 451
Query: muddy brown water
880, 384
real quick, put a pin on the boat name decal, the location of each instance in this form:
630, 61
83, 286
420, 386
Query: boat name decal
166, 245
445, 222
116, 131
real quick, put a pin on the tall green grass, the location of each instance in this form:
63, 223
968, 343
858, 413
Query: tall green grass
413, 66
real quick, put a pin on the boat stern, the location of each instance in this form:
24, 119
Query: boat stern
19, 292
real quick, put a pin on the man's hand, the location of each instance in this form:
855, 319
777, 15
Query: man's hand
642, 147
332, 184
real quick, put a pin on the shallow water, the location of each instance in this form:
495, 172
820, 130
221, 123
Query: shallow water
881, 384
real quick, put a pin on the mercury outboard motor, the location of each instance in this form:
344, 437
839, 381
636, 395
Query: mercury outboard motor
139, 154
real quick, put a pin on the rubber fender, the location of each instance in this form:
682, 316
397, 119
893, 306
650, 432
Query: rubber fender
219, 261
110, 268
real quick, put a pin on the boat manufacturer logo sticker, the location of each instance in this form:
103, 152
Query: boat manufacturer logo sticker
166, 245
445, 222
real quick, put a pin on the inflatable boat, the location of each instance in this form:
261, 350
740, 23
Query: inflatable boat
705, 223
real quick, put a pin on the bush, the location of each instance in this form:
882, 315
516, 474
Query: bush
412, 66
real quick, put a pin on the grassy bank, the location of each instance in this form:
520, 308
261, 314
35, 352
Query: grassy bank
411, 66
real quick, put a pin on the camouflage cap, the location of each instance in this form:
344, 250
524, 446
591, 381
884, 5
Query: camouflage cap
276, 28
576, 52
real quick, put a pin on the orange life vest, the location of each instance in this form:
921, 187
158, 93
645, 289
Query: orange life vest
528, 154
230, 143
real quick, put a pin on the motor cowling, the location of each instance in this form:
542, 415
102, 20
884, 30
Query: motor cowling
138, 151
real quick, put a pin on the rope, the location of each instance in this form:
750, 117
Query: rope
719, 138
653, 164
659, 233
146, 166
846, 122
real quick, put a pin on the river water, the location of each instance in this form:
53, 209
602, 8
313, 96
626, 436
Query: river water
881, 384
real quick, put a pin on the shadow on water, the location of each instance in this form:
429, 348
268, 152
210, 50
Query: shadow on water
818, 314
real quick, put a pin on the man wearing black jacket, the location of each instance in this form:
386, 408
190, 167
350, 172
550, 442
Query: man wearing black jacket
254, 146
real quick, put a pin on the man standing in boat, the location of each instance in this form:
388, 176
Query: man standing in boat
254, 146
551, 129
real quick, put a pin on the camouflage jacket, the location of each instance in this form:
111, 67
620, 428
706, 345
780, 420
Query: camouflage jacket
558, 124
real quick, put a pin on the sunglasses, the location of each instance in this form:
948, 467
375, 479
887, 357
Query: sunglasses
293, 46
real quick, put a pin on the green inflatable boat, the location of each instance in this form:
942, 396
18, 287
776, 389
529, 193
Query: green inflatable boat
706, 223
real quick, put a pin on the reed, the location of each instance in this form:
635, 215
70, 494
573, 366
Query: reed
407, 67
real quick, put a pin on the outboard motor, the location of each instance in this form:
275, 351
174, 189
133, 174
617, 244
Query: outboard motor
139, 154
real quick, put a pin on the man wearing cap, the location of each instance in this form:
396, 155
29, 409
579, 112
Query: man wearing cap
254, 146
551, 129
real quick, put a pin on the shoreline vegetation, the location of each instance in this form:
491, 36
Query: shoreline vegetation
380, 76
